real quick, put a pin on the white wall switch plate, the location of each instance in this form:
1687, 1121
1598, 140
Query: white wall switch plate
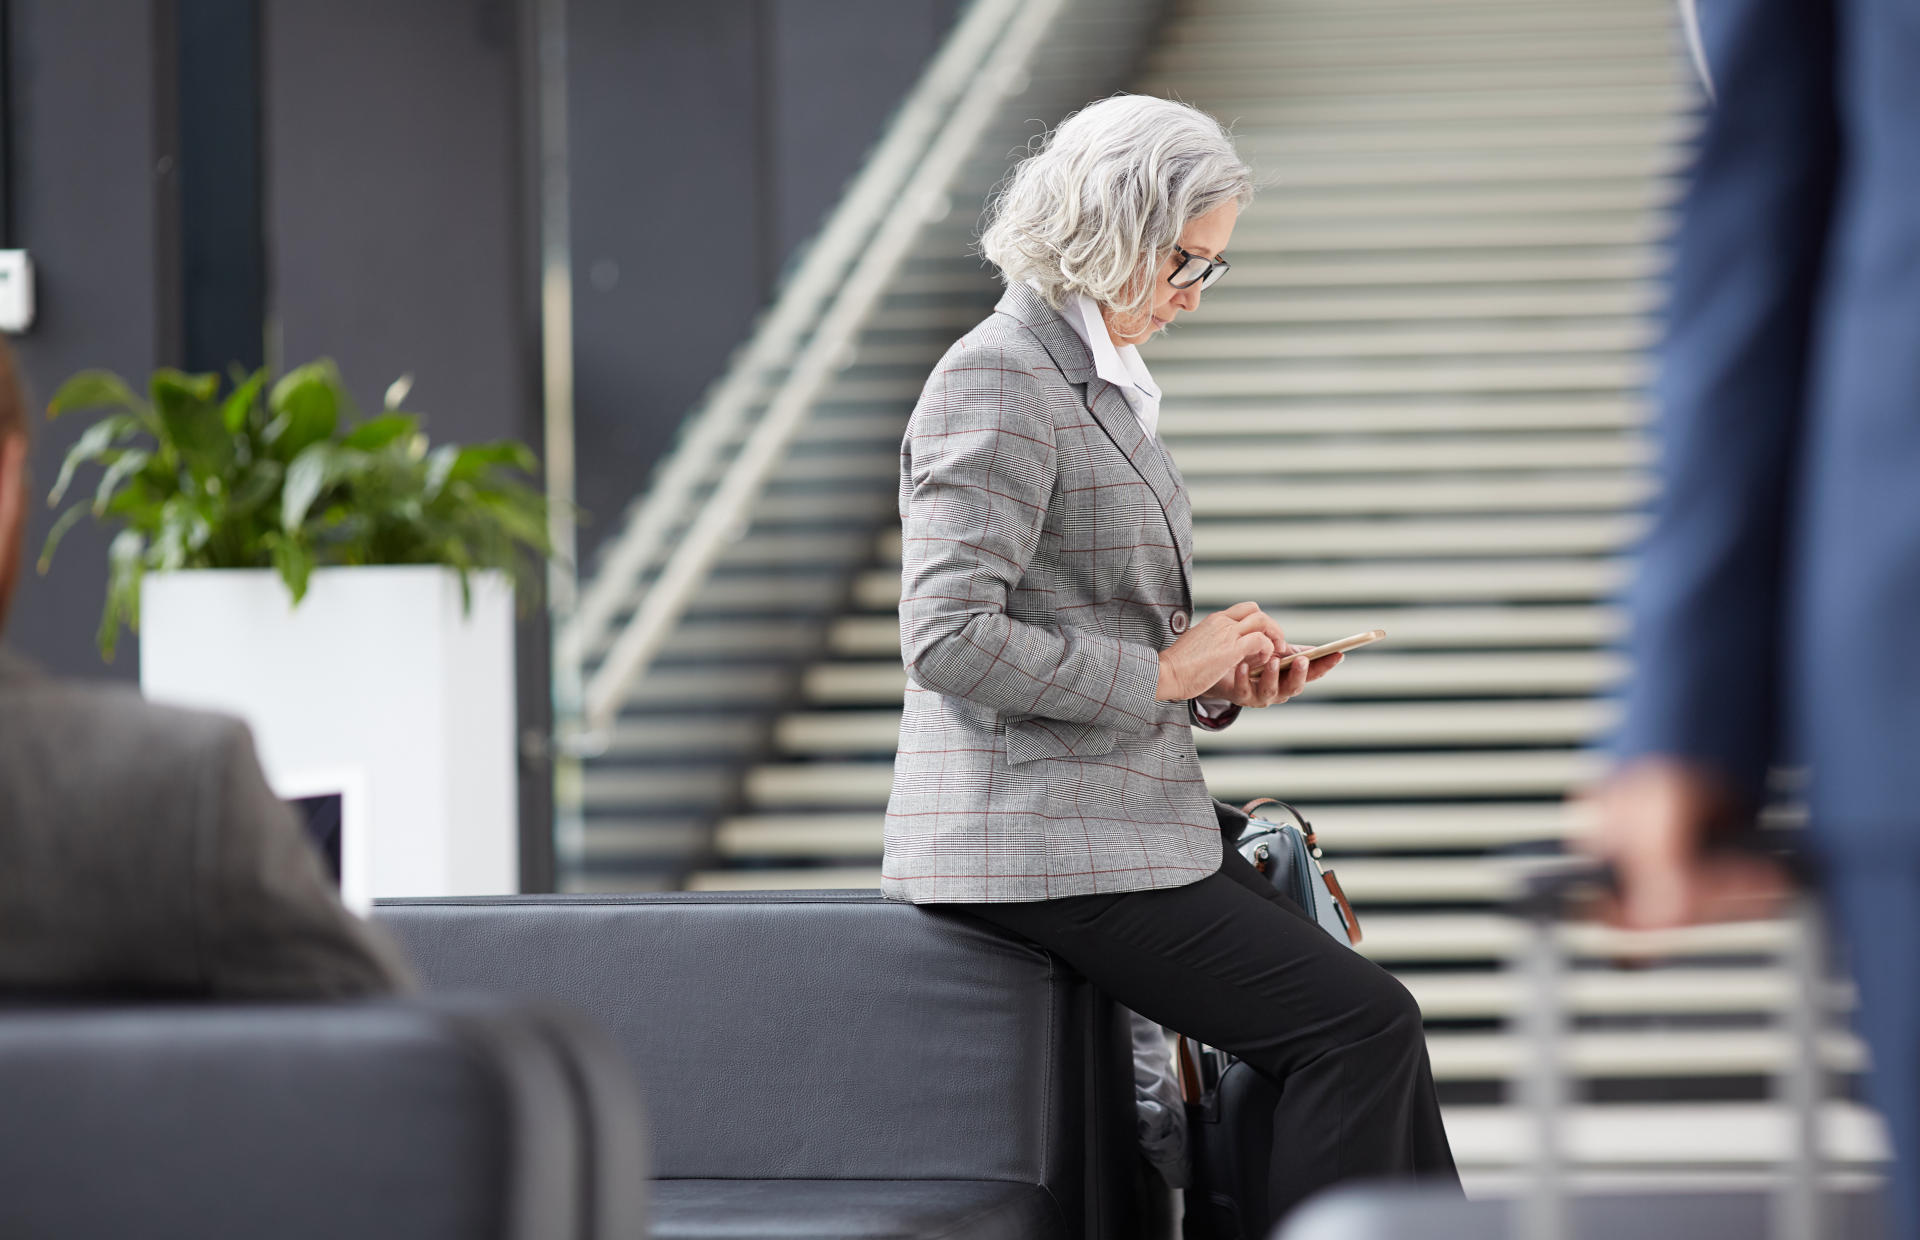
16, 291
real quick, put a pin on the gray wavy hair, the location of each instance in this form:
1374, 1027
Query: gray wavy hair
1103, 200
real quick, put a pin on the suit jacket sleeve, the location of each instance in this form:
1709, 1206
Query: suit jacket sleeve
271, 923
980, 469
1705, 609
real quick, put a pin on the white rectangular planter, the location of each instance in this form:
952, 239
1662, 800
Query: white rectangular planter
377, 684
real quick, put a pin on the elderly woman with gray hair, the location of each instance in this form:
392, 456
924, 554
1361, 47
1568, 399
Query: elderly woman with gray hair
1046, 779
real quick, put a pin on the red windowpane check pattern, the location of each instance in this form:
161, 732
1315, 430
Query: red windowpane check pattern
1046, 546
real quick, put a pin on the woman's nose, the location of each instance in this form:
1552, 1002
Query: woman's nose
1188, 298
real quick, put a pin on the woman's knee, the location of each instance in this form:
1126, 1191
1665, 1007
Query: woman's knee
1385, 1010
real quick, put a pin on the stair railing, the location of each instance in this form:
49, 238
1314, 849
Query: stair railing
847, 269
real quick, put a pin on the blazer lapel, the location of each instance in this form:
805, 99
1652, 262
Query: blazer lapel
1113, 414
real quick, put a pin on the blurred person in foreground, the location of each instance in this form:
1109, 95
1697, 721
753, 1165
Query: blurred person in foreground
141, 851
1776, 617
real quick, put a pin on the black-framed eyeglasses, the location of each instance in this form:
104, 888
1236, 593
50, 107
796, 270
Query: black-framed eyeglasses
1191, 269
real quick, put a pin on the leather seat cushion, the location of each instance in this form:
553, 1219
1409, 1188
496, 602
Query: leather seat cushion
851, 1210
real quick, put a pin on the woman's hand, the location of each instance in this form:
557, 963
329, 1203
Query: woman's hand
1266, 683
1209, 651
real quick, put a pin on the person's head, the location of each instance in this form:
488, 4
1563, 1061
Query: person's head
13, 478
1109, 203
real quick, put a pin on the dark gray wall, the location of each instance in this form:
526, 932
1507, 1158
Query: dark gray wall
394, 235
708, 142
837, 70
87, 175
397, 242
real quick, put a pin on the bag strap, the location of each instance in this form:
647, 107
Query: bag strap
1340, 898
1187, 1061
1306, 828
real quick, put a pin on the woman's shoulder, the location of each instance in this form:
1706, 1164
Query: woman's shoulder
998, 345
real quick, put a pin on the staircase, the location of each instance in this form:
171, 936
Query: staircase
1417, 403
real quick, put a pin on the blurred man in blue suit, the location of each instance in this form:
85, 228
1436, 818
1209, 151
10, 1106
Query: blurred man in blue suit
1776, 617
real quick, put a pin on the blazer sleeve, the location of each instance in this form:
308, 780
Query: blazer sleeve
271, 923
1706, 605
979, 470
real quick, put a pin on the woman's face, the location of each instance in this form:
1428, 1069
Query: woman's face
1206, 236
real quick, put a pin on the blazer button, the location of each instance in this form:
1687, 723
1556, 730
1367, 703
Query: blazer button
1177, 622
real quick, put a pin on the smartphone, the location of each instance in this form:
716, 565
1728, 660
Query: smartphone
1345, 643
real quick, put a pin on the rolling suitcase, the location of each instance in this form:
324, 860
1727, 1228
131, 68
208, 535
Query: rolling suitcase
1798, 1209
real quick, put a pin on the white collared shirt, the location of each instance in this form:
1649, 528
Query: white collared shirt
1119, 365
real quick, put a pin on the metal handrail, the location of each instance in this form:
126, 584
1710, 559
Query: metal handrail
1006, 34
777, 337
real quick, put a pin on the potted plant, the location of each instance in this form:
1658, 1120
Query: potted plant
337, 581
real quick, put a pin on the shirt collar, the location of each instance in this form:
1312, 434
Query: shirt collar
1121, 366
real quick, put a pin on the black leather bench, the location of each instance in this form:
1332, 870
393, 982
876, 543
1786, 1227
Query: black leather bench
823, 1064
422, 1120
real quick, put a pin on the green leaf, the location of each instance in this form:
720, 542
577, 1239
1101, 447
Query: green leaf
184, 530
240, 403
124, 569
255, 487
195, 426
130, 463
94, 442
94, 389
306, 478
295, 562
58, 532
449, 464
306, 404
377, 433
201, 387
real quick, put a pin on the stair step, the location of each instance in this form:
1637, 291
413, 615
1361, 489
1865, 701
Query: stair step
1405, 582
1289, 541
1287, 51
1464, 773
1394, 272
1699, 1054
1366, 675
1303, 724
1397, 375
1349, 828
1442, 107
1690, 990
1362, 304
1279, 420
1621, 334
1297, 52
1659, 1140
1492, 344
1407, 628
1228, 91
1566, 491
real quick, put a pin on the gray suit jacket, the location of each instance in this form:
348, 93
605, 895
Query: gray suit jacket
141, 851
1047, 546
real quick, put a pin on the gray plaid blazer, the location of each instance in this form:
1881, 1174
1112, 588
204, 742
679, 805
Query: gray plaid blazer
1046, 552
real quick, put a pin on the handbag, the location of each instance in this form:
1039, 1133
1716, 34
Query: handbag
1288, 855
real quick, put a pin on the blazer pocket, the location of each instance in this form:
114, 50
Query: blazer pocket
1031, 739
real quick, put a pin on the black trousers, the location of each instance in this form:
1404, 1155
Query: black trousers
1232, 962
